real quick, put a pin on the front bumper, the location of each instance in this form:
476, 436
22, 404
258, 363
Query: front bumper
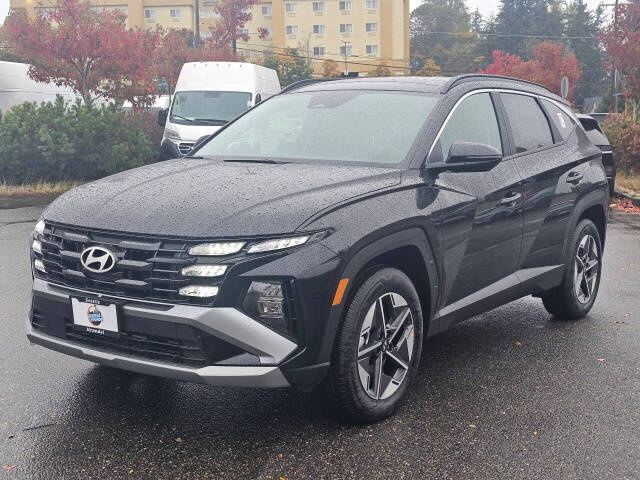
227, 324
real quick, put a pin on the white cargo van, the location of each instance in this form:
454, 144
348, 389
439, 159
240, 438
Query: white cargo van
17, 88
207, 96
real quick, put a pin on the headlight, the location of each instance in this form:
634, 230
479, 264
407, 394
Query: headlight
38, 265
203, 271
216, 249
265, 301
200, 291
36, 246
278, 244
171, 134
40, 227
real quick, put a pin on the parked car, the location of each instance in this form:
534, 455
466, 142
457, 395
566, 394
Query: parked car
321, 236
207, 96
597, 136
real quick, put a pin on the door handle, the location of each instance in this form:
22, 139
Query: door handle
510, 198
574, 177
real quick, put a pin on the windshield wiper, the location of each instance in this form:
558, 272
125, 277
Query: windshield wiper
253, 160
210, 120
180, 117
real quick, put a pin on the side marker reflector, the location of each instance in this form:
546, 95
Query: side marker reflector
342, 286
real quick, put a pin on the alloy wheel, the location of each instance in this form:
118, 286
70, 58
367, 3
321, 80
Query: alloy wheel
386, 346
586, 269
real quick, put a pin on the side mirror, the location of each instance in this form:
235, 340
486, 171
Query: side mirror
258, 99
468, 157
162, 116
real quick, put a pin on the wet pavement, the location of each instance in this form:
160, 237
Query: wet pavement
509, 394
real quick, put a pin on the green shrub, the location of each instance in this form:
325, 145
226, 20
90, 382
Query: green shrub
54, 141
624, 135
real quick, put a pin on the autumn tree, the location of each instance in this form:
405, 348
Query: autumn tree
622, 44
549, 65
429, 69
89, 51
382, 70
330, 69
290, 65
234, 14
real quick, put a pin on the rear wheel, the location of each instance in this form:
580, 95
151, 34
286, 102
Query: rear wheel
575, 296
378, 347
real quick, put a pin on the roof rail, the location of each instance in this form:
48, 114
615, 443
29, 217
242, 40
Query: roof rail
304, 83
470, 76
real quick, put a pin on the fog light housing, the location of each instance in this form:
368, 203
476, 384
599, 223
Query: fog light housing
199, 291
219, 249
38, 265
266, 302
203, 270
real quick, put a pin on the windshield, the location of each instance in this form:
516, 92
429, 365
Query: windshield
350, 125
208, 108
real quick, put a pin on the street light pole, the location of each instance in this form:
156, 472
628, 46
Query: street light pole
346, 68
197, 29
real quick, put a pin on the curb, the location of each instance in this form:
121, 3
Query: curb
626, 196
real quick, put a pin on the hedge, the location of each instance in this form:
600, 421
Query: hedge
624, 135
55, 141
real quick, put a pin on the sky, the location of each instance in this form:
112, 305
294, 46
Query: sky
487, 7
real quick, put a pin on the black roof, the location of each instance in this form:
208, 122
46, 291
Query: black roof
422, 84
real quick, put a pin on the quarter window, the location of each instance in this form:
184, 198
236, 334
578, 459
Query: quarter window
529, 124
474, 120
563, 122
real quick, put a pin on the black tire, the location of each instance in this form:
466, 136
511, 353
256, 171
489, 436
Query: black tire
382, 287
563, 301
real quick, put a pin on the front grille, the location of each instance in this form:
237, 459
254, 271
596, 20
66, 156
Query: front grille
146, 268
185, 147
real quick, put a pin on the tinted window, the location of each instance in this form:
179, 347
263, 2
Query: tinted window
563, 122
349, 125
528, 123
474, 120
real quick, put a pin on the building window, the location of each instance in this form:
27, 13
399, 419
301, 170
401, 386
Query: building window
371, 27
372, 50
291, 29
266, 10
344, 6
346, 28
345, 50
205, 34
371, 4
209, 2
207, 13
148, 13
319, 51
175, 13
318, 29
242, 31
318, 7
291, 7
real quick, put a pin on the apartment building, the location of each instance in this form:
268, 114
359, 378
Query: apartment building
365, 33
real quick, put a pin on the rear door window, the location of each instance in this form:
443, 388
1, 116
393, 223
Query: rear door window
564, 123
528, 122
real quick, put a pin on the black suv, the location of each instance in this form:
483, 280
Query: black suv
321, 236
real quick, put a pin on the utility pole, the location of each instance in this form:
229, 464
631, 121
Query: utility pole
197, 29
346, 68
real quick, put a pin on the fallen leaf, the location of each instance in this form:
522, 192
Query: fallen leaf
179, 440
280, 456
549, 393
8, 467
15, 424
535, 432
472, 425
394, 428
131, 471
518, 344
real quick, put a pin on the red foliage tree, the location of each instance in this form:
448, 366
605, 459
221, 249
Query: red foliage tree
622, 44
234, 14
89, 51
548, 67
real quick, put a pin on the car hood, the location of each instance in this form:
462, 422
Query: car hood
210, 198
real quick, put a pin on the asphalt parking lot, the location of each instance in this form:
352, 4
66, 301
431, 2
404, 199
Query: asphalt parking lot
509, 394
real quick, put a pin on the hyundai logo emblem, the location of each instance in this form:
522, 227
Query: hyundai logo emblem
97, 259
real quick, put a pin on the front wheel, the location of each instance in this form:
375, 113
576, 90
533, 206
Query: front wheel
377, 347
575, 296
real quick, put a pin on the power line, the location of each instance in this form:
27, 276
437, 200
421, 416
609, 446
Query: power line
519, 35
